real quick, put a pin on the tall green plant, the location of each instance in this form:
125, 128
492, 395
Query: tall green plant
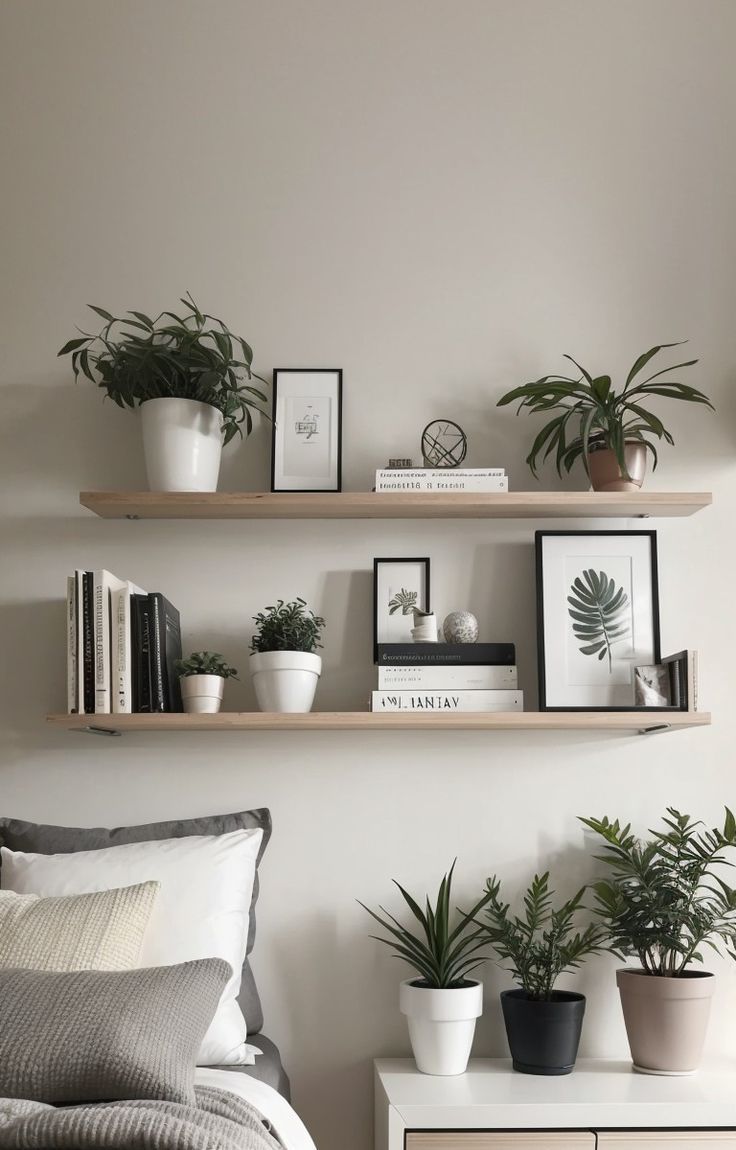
596, 415
664, 898
193, 356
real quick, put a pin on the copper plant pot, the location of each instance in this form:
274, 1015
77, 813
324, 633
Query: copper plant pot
605, 473
666, 1019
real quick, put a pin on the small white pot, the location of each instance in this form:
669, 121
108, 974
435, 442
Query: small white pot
285, 680
441, 1025
182, 443
201, 694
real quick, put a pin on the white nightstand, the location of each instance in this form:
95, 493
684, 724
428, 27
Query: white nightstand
601, 1106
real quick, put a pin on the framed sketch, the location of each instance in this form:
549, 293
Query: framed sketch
306, 450
399, 585
597, 617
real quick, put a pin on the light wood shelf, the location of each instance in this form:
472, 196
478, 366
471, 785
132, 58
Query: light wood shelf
392, 505
390, 721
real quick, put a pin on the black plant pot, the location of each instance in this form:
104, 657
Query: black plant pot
543, 1036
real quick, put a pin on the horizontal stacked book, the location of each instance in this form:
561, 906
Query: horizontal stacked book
442, 479
447, 677
122, 644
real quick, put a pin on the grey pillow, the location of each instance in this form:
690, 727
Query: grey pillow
39, 838
95, 1036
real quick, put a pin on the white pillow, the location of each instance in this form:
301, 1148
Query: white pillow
201, 911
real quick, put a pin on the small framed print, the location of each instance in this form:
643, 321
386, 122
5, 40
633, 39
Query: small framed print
307, 429
597, 617
399, 586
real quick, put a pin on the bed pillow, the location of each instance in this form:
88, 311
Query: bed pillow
101, 931
91, 1035
201, 910
46, 839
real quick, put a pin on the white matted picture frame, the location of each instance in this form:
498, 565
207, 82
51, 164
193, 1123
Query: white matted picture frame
306, 445
597, 617
399, 585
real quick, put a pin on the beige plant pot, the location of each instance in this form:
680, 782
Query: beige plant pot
666, 1019
605, 473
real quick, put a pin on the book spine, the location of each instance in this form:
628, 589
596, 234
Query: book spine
123, 627
79, 645
446, 655
157, 645
71, 645
439, 678
141, 655
172, 652
88, 643
440, 472
446, 483
692, 694
447, 701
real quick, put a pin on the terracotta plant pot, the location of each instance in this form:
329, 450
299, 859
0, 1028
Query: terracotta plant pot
666, 1019
605, 473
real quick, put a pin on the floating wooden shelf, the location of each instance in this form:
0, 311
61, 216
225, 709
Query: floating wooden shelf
390, 505
391, 721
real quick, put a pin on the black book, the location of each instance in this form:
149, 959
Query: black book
141, 653
88, 654
165, 650
447, 654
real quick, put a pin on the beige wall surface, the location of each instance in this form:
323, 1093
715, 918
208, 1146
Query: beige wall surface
441, 198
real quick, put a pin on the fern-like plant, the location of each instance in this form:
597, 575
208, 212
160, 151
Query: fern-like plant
600, 614
205, 663
287, 627
403, 600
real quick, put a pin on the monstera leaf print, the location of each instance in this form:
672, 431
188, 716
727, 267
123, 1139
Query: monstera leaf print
403, 600
600, 614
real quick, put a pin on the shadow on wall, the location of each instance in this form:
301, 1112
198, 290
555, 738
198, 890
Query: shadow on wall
32, 637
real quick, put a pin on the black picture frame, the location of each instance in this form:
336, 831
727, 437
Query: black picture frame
424, 561
539, 537
282, 371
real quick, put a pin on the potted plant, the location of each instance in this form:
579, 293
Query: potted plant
611, 430
202, 677
663, 901
543, 1025
283, 662
192, 379
441, 1003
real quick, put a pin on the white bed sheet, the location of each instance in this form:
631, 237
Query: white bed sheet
285, 1121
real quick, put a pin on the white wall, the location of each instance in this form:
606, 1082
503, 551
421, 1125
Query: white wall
441, 198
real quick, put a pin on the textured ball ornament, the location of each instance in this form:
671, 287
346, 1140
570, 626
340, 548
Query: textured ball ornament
460, 627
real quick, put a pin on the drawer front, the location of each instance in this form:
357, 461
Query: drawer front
527, 1140
667, 1140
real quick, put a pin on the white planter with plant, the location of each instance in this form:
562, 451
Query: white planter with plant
202, 679
441, 1004
666, 899
283, 662
192, 379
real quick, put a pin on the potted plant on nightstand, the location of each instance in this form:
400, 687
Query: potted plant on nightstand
543, 1025
283, 663
442, 1003
202, 677
663, 901
192, 378
612, 430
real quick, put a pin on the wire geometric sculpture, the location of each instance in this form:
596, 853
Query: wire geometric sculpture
444, 444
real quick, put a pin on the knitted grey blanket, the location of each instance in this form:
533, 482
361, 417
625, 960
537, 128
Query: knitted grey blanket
219, 1121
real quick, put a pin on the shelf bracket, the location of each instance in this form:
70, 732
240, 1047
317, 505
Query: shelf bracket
655, 729
109, 731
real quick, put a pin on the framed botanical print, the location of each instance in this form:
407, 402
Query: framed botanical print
399, 586
597, 617
307, 429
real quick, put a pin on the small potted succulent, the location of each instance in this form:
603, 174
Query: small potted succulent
543, 1025
192, 378
202, 677
283, 662
611, 430
441, 1002
665, 899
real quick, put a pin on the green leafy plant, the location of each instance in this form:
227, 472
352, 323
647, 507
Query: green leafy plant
194, 356
600, 614
664, 898
596, 415
442, 954
287, 627
543, 943
205, 663
403, 600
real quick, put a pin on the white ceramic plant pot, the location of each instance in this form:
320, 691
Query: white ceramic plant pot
285, 680
201, 694
182, 443
441, 1025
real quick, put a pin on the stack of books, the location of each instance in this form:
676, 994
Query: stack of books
446, 677
442, 479
122, 644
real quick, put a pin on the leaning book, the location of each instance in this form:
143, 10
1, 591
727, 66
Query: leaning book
447, 701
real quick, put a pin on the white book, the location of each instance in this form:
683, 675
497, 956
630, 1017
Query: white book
79, 597
104, 583
444, 702
71, 645
122, 648
447, 482
438, 472
447, 678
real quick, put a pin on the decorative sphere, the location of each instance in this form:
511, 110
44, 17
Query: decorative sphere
460, 627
